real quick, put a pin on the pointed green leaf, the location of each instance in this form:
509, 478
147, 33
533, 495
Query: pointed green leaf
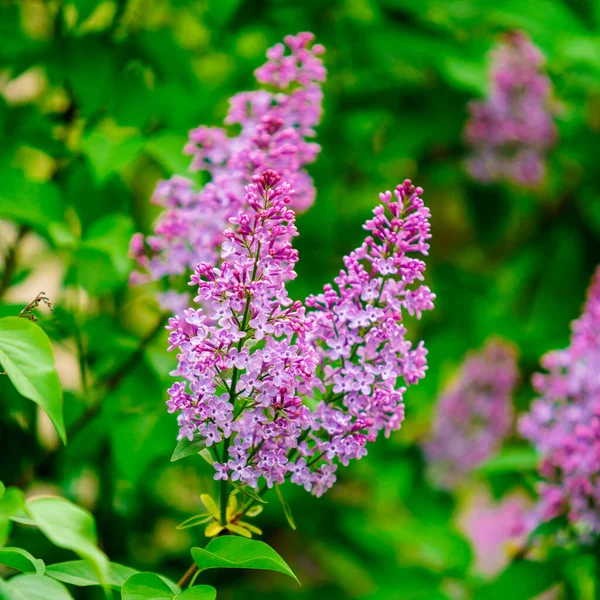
72, 527
244, 489
286, 509
26, 356
196, 520
21, 560
79, 572
198, 592
185, 447
231, 552
146, 586
33, 587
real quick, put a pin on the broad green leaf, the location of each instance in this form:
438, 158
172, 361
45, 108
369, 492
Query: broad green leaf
166, 149
26, 356
198, 592
72, 527
521, 580
108, 156
21, 560
146, 586
286, 509
28, 202
186, 447
79, 572
232, 552
33, 587
511, 460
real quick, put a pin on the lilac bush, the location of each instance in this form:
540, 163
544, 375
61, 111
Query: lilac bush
276, 126
280, 392
564, 425
475, 414
511, 131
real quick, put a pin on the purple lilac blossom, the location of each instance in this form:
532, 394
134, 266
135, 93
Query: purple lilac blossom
288, 393
563, 424
275, 128
511, 131
474, 415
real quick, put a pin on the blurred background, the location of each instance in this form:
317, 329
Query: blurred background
96, 99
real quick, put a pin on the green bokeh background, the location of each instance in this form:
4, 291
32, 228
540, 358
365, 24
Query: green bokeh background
96, 99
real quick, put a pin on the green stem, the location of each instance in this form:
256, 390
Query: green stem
223, 499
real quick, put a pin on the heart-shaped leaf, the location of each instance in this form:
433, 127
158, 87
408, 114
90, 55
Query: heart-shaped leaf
79, 572
33, 587
232, 552
198, 592
21, 560
26, 356
148, 586
69, 526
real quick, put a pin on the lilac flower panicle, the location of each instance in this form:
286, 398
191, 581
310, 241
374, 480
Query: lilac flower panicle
563, 424
289, 393
474, 415
276, 127
511, 131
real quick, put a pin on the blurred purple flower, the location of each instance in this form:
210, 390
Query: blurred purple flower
274, 126
511, 131
475, 414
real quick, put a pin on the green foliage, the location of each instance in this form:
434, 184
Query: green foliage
26, 356
96, 100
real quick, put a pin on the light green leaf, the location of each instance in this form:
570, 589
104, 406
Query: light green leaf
33, 587
286, 509
146, 586
108, 156
186, 448
511, 460
21, 560
12, 504
79, 572
167, 149
72, 527
198, 592
26, 356
232, 552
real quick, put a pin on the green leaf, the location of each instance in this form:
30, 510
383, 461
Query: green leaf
533, 578
198, 592
146, 586
167, 150
33, 587
21, 560
79, 572
26, 356
244, 489
231, 552
72, 527
185, 447
511, 460
286, 509
28, 202
108, 156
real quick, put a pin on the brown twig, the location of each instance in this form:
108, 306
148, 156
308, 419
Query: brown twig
187, 576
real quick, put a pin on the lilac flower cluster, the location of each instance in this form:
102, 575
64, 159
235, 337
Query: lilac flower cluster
511, 131
475, 414
274, 130
564, 425
279, 392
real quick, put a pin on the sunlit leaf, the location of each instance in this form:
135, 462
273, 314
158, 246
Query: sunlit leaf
26, 356
146, 586
33, 587
80, 573
21, 560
